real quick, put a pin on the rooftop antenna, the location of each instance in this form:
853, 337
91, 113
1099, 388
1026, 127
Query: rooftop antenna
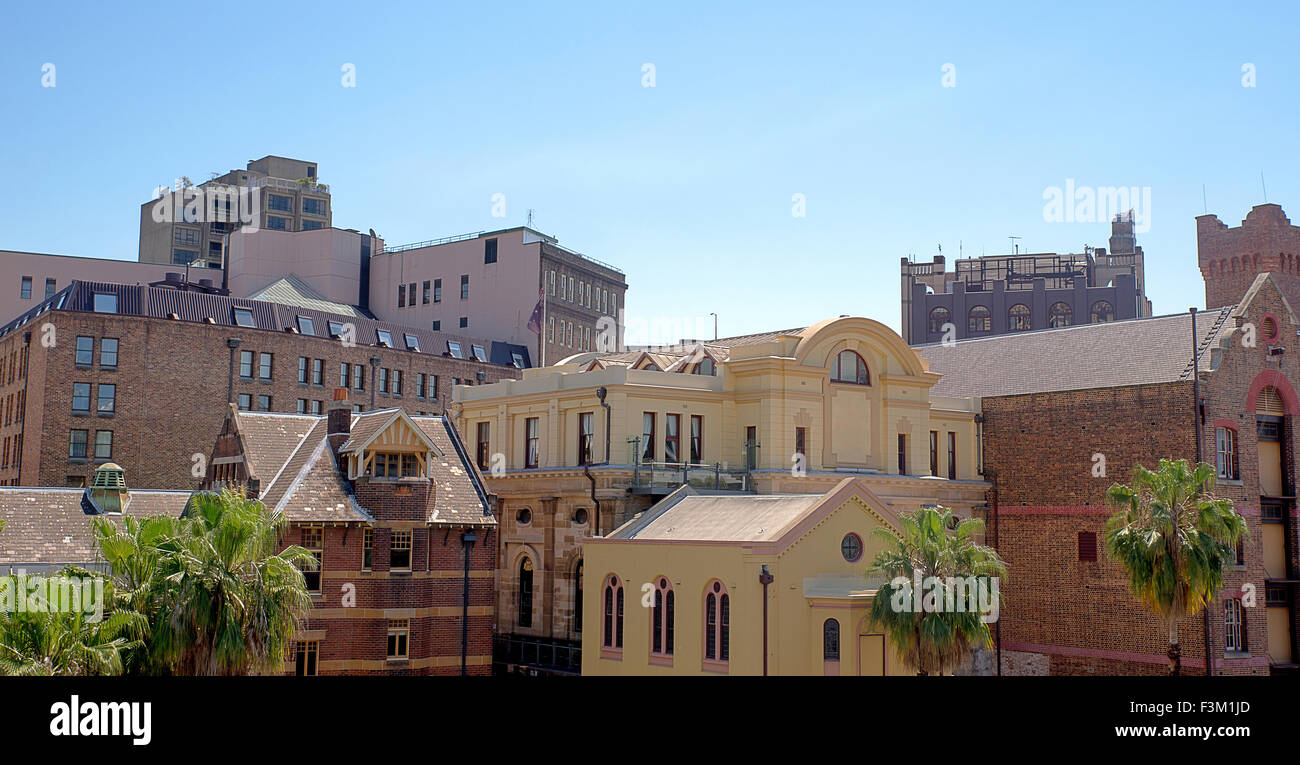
1015, 248
530, 218
1205, 206
1262, 186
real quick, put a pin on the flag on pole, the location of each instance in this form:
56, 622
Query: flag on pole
535, 321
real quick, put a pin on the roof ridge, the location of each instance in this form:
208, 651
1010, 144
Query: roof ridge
292, 454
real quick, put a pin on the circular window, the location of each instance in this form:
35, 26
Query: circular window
851, 547
1269, 327
580, 516
717, 587
663, 582
524, 517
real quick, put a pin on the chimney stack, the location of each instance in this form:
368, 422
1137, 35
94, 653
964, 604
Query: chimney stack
339, 424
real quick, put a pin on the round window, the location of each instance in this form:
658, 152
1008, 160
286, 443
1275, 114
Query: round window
851, 547
524, 517
580, 516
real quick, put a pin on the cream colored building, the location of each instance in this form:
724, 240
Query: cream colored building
789, 412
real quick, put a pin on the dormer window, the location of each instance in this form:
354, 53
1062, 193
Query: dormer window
336, 329
105, 302
479, 353
706, 367
518, 360
454, 349
385, 337
244, 318
396, 465
305, 326
412, 343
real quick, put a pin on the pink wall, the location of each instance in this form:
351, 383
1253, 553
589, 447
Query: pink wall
327, 259
65, 268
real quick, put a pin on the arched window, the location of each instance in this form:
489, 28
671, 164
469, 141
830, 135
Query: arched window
611, 634
1018, 318
1060, 315
661, 619
980, 320
1102, 311
577, 597
526, 592
831, 640
939, 317
849, 367
717, 622
706, 367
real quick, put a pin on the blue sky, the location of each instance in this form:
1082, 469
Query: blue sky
688, 185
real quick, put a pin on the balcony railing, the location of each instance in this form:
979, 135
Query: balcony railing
670, 475
544, 655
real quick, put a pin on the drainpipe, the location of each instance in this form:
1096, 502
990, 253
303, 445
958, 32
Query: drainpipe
601, 392
233, 344
765, 578
374, 379
997, 627
467, 539
1196, 414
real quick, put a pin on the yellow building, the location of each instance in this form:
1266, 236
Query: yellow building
681, 588
576, 449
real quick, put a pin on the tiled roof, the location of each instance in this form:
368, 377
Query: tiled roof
1105, 355
461, 496
365, 426
52, 526
269, 440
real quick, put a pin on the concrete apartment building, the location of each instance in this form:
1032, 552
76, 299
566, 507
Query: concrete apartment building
998, 294
488, 284
189, 223
142, 375
399, 521
788, 412
1058, 401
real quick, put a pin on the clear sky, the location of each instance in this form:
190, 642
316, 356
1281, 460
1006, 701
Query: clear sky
689, 185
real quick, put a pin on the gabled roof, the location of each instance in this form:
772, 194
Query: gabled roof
462, 496
269, 439
51, 527
1086, 356
293, 291
368, 426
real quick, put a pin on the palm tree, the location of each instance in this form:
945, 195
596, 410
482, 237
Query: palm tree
937, 638
42, 640
220, 599
1173, 537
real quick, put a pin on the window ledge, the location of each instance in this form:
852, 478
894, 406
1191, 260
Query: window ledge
1236, 654
1229, 481
661, 660
614, 654
716, 667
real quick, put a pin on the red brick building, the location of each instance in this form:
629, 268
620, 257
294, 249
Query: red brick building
398, 517
143, 374
1069, 411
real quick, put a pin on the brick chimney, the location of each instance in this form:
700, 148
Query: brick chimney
339, 423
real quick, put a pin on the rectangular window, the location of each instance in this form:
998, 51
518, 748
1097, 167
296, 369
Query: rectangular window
81, 397
419, 385
671, 437
305, 326
335, 328
433, 388
103, 444
479, 353
934, 452
1087, 546
490, 251
464, 286
952, 456
801, 443
1233, 626
276, 223
552, 282
313, 539
410, 294
425, 291
399, 556
312, 225
305, 654
517, 359
383, 380
367, 549
345, 374
1225, 453
358, 377
550, 330
245, 402
105, 303
399, 631
85, 351
263, 403
108, 353
183, 257
317, 406
401, 296
570, 295
453, 348
246, 364
397, 382
302, 406
25, 292
107, 398
318, 371
244, 318
697, 438
484, 445
530, 442
51, 286
751, 447
384, 337
437, 325
77, 444
902, 454
586, 434
437, 290
302, 370
313, 206
280, 203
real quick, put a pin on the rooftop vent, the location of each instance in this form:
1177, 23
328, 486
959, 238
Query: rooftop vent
108, 488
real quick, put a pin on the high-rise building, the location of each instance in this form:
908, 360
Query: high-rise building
188, 223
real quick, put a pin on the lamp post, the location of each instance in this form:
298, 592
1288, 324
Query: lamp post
467, 539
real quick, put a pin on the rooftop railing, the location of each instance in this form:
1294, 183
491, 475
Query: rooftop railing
670, 475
